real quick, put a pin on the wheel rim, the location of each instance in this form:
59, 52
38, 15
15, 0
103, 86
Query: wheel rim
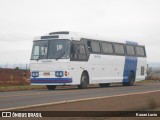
84, 80
132, 79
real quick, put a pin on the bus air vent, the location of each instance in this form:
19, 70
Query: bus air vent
62, 32
49, 37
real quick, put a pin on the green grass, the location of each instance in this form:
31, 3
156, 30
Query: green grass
148, 81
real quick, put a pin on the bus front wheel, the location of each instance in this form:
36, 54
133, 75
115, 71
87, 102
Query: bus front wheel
51, 87
84, 81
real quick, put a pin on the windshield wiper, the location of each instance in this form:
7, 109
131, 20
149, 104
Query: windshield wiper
60, 55
63, 53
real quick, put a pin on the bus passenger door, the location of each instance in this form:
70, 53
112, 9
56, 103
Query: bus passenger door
78, 58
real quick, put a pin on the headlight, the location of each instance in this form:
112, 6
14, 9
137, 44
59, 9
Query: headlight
35, 74
59, 73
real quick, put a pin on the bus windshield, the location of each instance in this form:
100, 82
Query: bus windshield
51, 49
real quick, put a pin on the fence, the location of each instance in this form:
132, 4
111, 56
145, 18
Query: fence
15, 66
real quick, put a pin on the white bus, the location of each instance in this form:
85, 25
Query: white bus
70, 58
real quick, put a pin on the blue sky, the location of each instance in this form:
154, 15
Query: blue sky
20, 21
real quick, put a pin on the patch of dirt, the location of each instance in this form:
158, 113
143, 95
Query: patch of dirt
10, 77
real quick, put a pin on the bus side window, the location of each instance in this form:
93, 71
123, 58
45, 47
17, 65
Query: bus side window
140, 51
81, 49
95, 46
119, 49
81, 52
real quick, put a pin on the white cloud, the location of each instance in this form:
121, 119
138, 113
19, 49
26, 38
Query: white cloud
14, 57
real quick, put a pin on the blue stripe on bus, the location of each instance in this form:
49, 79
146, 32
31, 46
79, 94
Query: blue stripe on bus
51, 80
130, 64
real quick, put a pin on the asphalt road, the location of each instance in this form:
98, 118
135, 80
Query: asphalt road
24, 99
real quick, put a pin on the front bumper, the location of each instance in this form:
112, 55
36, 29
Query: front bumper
51, 80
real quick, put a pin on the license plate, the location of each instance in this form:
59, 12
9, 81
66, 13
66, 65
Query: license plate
46, 74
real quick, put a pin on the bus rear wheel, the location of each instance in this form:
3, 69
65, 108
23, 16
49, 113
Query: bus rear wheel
84, 81
131, 80
51, 87
104, 84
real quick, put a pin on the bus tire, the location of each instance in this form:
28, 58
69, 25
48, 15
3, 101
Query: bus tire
84, 81
104, 84
51, 87
131, 80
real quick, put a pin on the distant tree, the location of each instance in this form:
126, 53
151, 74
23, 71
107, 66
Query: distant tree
158, 70
149, 72
17, 68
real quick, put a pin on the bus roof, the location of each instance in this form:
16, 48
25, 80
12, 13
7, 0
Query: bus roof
77, 36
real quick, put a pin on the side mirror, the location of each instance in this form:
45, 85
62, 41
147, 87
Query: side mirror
89, 45
89, 48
